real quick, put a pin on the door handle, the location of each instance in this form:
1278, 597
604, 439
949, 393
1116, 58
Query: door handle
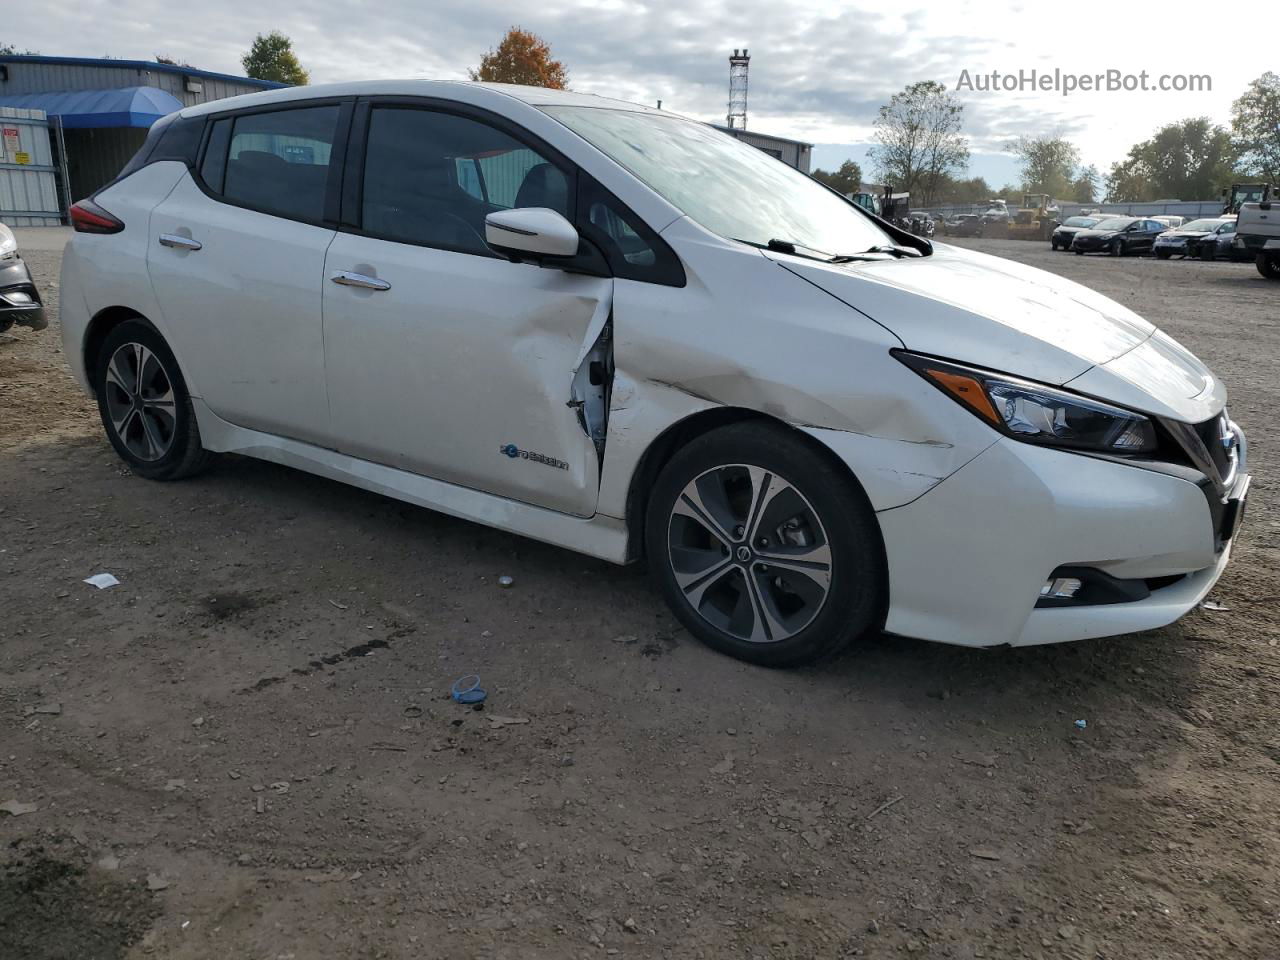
349, 279
179, 242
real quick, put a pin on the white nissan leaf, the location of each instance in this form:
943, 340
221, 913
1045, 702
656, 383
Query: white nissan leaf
623, 332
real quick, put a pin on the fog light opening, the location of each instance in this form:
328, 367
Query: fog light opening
1061, 588
18, 298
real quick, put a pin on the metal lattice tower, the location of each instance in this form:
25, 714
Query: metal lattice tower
738, 64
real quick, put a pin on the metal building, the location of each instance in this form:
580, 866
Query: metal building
99, 111
794, 153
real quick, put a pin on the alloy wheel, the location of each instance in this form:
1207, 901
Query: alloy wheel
140, 401
749, 553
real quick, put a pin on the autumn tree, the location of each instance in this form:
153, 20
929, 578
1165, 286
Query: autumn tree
525, 58
846, 180
918, 139
1255, 124
272, 58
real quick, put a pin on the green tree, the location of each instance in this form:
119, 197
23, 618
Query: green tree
1188, 160
1084, 189
918, 140
967, 190
9, 50
272, 58
525, 58
1048, 164
1255, 124
846, 180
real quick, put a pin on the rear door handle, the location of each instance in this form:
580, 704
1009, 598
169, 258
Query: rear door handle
179, 242
348, 279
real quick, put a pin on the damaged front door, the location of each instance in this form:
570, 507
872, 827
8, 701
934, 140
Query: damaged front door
443, 359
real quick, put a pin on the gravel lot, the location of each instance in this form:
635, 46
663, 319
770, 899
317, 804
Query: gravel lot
255, 755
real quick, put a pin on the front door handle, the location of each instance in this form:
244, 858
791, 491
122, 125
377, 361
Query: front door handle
349, 279
179, 242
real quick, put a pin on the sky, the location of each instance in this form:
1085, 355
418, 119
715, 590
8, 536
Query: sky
819, 72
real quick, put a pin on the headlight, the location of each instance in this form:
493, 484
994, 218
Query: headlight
8, 243
1035, 413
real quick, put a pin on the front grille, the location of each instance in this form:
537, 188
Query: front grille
1211, 433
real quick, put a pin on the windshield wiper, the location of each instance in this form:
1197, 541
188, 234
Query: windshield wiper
892, 249
788, 246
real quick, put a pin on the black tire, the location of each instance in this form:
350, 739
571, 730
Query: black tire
1268, 265
1206, 251
856, 594
1053, 245
1078, 253
1117, 247
1163, 254
175, 438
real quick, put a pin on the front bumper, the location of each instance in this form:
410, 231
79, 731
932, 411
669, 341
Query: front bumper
20, 301
967, 560
1090, 244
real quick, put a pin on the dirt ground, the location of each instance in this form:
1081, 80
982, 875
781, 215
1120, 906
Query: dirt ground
247, 749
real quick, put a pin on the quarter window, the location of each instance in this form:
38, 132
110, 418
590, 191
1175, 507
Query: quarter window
277, 162
431, 178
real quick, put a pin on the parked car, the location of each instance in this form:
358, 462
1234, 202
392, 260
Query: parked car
20, 301
1118, 236
965, 225
1064, 232
565, 317
1180, 242
1258, 234
1219, 243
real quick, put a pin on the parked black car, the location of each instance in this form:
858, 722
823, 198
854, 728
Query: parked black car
1118, 236
965, 225
1065, 231
1219, 244
19, 299
1182, 241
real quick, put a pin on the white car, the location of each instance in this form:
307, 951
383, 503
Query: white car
623, 332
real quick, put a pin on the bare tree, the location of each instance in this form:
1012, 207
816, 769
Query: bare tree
918, 140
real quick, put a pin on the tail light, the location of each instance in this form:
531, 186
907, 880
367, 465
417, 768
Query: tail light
88, 217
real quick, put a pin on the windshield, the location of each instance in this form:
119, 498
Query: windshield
1080, 222
732, 189
1204, 225
1115, 223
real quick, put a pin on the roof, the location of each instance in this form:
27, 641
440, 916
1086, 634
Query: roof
151, 65
92, 109
756, 133
534, 96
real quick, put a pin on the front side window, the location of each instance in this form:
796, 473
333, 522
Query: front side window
431, 178
732, 189
276, 162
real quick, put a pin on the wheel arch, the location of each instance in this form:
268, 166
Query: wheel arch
683, 432
99, 328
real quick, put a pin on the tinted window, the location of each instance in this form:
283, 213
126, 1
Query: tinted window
214, 165
431, 178
278, 162
633, 251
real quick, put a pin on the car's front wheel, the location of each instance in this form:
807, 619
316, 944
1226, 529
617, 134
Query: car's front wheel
145, 408
1163, 254
764, 548
1117, 247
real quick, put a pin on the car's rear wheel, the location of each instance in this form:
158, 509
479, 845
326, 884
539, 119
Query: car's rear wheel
145, 408
763, 548
1268, 265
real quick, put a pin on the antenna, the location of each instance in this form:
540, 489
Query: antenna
738, 64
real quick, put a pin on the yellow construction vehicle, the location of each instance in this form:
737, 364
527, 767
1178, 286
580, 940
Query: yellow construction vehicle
1035, 219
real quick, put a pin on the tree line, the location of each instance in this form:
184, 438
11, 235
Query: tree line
920, 148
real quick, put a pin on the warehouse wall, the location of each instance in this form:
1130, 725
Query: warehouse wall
25, 77
28, 191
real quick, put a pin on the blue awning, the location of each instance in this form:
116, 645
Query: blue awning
86, 109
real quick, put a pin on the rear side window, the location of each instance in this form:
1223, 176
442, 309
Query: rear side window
170, 138
276, 162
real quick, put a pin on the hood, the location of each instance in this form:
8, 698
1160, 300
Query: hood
1182, 234
969, 307
1087, 232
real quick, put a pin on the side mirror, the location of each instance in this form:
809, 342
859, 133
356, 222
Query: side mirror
530, 233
